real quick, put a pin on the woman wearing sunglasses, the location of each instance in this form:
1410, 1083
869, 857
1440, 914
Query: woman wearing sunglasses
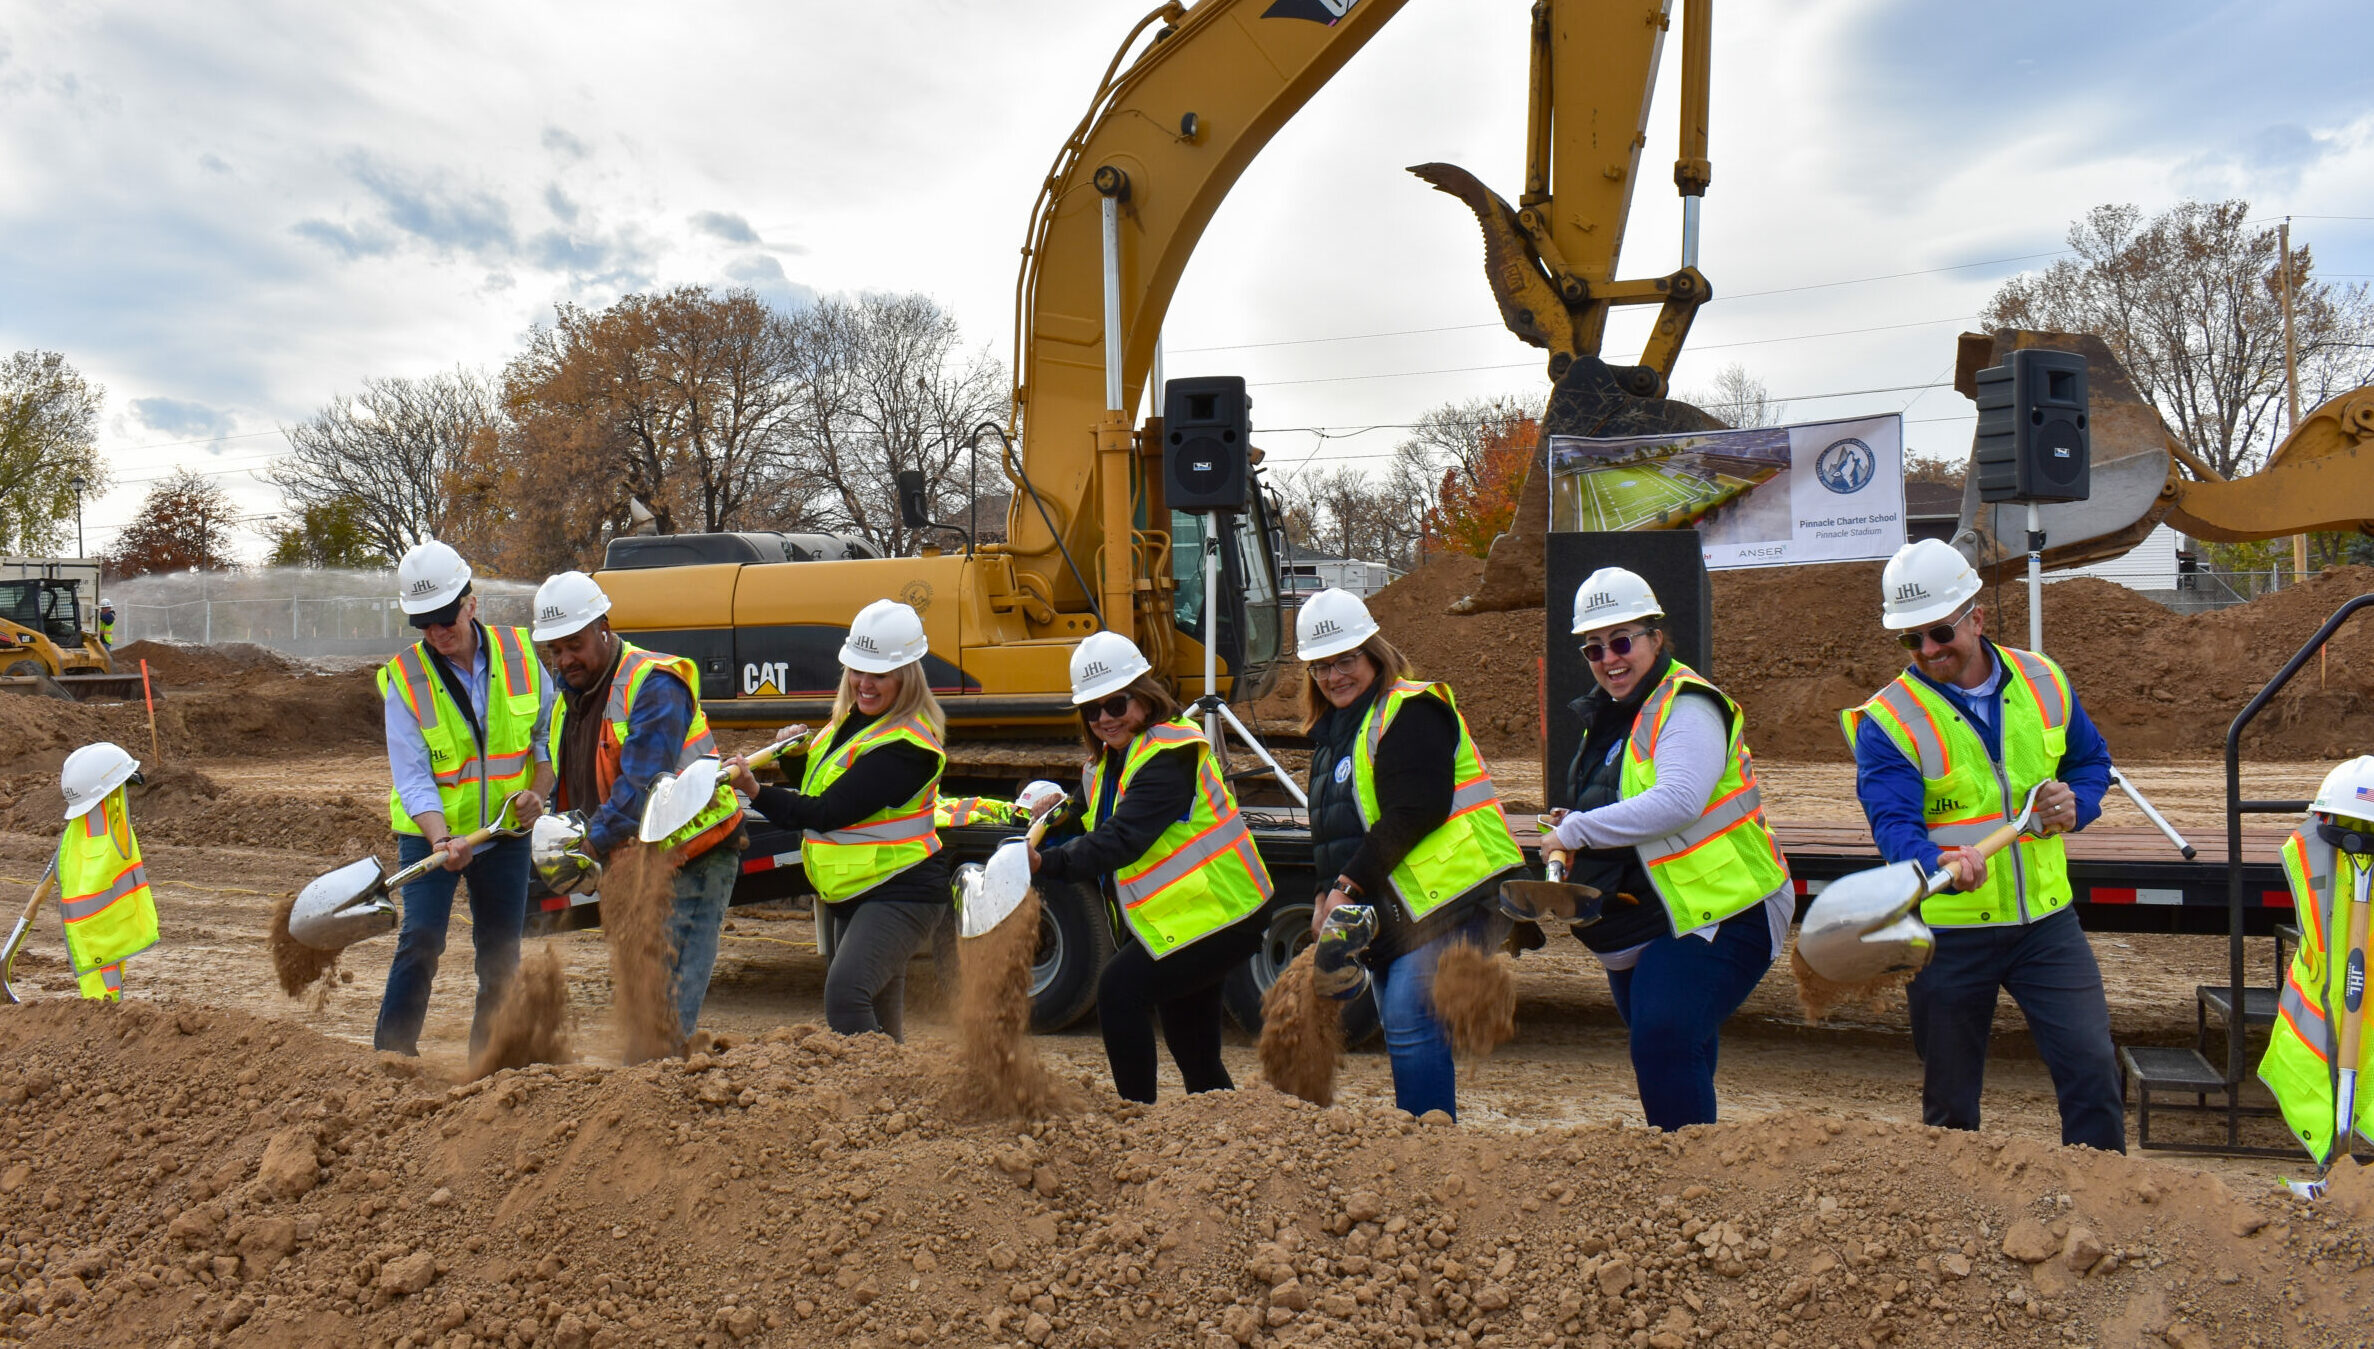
864, 807
1175, 860
1667, 824
1404, 819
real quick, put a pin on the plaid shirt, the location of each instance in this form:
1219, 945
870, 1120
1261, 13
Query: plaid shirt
655, 731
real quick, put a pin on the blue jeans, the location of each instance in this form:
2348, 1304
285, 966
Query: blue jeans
498, 876
1424, 1077
2049, 970
1674, 1002
704, 887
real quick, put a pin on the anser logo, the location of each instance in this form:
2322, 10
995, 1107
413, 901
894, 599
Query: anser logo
1317, 11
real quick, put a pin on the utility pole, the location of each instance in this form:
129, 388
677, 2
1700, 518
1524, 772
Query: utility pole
78, 483
2291, 381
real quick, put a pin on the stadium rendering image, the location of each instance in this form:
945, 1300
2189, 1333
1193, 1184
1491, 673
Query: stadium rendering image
1657, 482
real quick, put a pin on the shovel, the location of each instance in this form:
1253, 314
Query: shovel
987, 894
1531, 901
1868, 924
24, 927
357, 900
677, 798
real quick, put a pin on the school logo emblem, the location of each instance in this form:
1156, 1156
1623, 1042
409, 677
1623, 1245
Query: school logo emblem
1845, 466
1343, 768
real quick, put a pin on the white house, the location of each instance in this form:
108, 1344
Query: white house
2149, 565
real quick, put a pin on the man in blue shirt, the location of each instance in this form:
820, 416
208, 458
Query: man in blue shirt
460, 738
1944, 755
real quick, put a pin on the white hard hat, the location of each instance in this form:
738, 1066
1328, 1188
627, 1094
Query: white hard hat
1331, 623
91, 773
2348, 790
1612, 595
1105, 663
1925, 582
565, 604
886, 636
430, 577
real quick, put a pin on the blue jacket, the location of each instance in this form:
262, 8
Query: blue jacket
655, 729
1889, 786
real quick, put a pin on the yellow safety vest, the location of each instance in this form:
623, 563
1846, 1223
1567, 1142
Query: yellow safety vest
104, 896
1966, 796
473, 780
955, 812
2299, 1063
1727, 859
845, 863
1202, 872
1470, 847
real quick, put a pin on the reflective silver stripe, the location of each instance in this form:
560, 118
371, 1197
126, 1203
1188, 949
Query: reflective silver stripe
698, 747
2306, 1019
888, 831
514, 654
1651, 718
424, 692
1927, 741
1741, 806
112, 976
627, 665
75, 910
1471, 795
1222, 837
2049, 698
1964, 835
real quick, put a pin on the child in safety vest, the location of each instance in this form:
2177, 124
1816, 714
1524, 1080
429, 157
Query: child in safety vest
103, 890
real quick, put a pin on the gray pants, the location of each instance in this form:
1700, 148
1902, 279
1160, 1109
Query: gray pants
865, 989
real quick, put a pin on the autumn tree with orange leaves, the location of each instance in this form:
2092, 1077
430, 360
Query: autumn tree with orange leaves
1476, 500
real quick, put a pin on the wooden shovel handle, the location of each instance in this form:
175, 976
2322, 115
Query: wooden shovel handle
49, 882
775, 751
2352, 1018
436, 857
1038, 828
1997, 841
1559, 858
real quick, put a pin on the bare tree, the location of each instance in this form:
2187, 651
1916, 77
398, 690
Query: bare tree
1454, 438
1737, 399
2190, 301
885, 386
389, 456
49, 419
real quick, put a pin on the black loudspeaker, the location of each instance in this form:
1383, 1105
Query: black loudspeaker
2032, 442
1671, 561
1207, 429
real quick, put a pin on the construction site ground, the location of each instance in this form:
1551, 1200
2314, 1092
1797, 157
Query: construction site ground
214, 1162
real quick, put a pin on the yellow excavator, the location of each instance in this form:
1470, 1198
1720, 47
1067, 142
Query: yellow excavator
48, 642
1191, 96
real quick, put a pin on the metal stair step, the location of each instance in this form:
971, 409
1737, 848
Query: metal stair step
2165, 1068
2258, 1004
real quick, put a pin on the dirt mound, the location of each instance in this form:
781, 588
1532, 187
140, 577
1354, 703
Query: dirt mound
187, 664
267, 715
1796, 644
183, 1172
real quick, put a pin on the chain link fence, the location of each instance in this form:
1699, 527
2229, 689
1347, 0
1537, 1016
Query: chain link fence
299, 611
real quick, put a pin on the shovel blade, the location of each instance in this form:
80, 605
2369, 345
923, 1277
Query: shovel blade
16, 938
1532, 901
1866, 925
676, 798
346, 906
998, 889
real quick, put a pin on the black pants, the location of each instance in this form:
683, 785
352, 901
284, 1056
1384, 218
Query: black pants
1184, 989
865, 987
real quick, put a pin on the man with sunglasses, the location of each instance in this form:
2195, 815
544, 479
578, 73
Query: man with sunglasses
1944, 755
465, 711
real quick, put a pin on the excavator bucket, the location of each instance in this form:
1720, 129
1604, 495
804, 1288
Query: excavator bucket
2133, 459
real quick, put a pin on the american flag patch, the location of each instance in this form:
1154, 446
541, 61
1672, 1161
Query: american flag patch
2366, 793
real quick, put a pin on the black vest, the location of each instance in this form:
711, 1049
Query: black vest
1336, 829
1595, 779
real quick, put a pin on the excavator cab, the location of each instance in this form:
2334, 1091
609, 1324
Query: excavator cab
1248, 620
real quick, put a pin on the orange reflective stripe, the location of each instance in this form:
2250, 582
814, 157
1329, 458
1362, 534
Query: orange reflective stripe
129, 881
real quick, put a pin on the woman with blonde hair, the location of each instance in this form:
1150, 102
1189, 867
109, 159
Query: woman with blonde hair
1404, 821
864, 808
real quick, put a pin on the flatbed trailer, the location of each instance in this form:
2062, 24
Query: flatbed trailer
2125, 880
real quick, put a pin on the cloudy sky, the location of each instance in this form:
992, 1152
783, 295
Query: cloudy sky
228, 214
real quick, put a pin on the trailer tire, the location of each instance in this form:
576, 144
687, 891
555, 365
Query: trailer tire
1074, 944
1289, 932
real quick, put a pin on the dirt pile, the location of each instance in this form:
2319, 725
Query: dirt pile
192, 1176
1796, 644
188, 664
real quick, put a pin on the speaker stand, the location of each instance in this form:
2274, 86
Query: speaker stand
1215, 709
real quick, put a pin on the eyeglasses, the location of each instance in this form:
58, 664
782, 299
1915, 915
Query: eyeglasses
1345, 665
1942, 634
1115, 707
1622, 646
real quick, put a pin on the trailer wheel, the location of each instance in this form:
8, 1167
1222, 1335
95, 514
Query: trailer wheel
1074, 944
1289, 932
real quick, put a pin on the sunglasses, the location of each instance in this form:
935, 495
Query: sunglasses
1346, 664
1941, 634
1115, 707
1622, 646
